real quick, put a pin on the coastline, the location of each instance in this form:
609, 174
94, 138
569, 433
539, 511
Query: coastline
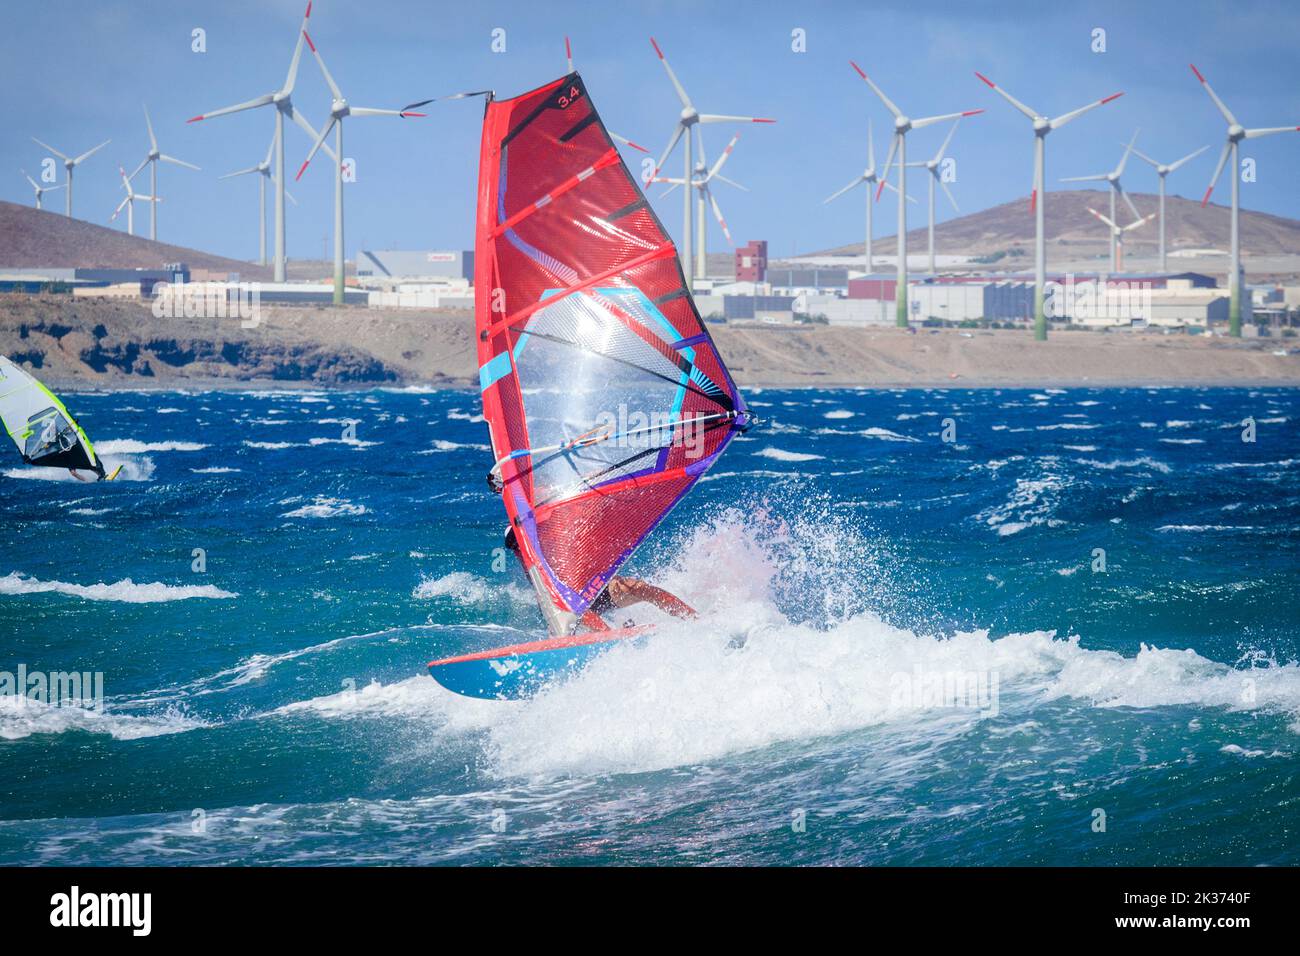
79, 344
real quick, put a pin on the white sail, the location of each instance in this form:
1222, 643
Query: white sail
39, 425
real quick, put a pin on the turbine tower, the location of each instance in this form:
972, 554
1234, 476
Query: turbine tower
903, 124
700, 180
1163, 170
152, 158
869, 177
69, 164
1117, 231
339, 109
1116, 189
282, 100
129, 202
40, 190
1236, 133
264, 168
1042, 126
932, 167
686, 123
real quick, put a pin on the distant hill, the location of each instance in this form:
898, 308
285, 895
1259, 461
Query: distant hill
1011, 225
32, 238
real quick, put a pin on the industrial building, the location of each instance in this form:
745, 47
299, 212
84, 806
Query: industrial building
393, 266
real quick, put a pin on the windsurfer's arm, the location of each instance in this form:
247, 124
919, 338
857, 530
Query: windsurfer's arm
73, 473
624, 592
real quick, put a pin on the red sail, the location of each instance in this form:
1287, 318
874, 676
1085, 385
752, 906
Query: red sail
602, 389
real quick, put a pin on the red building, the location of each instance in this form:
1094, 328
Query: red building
873, 287
751, 262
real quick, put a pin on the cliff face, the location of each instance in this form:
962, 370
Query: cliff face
97, 341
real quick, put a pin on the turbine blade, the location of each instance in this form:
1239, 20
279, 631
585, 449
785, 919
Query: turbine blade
1102, 218
1123, 160
1189, 156
1227, 113
871, 148
726, 154
1084, 179
731, 182
153, 141
1223, 158
1007, 96
30, 180
135, 172
371, 111
90, 152
1256, 133
947, 192
50, 148
677, 134
242, 172
238, 107
568, 53
675, 184
889, 105
721, 222
1145, 158
884, 176
1120, 189
177, 162
931, 120
311, 130
291, 77
946, 140
677, 85
1075, 114
894, 189
320, 141
841, 192
722, 118
329, 80
625, 141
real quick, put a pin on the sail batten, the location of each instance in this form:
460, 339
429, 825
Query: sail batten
604, 395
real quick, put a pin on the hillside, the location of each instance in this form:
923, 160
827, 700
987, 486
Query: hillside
1068, 222
35, 238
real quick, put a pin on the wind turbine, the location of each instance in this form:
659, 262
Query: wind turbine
339, 109
903, 124
70, 164
152, 159
869, 177
700, 180
1236, 133
1042, 126
129, 203
568, 56
1112, 180
686, 123
1163, 170
1117, 231
932, 167
281, 99
264, 168
40, 190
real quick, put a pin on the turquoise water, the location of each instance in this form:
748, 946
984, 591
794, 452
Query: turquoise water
272, 707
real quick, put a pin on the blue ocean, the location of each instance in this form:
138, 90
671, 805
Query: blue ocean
938, 626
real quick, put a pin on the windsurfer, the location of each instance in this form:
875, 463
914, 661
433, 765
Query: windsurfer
622, 591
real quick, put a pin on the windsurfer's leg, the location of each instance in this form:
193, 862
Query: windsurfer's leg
73, 473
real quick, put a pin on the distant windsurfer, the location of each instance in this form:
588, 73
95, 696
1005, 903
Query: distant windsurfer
621, 592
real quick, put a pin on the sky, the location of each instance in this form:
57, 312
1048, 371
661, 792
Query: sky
76, 73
